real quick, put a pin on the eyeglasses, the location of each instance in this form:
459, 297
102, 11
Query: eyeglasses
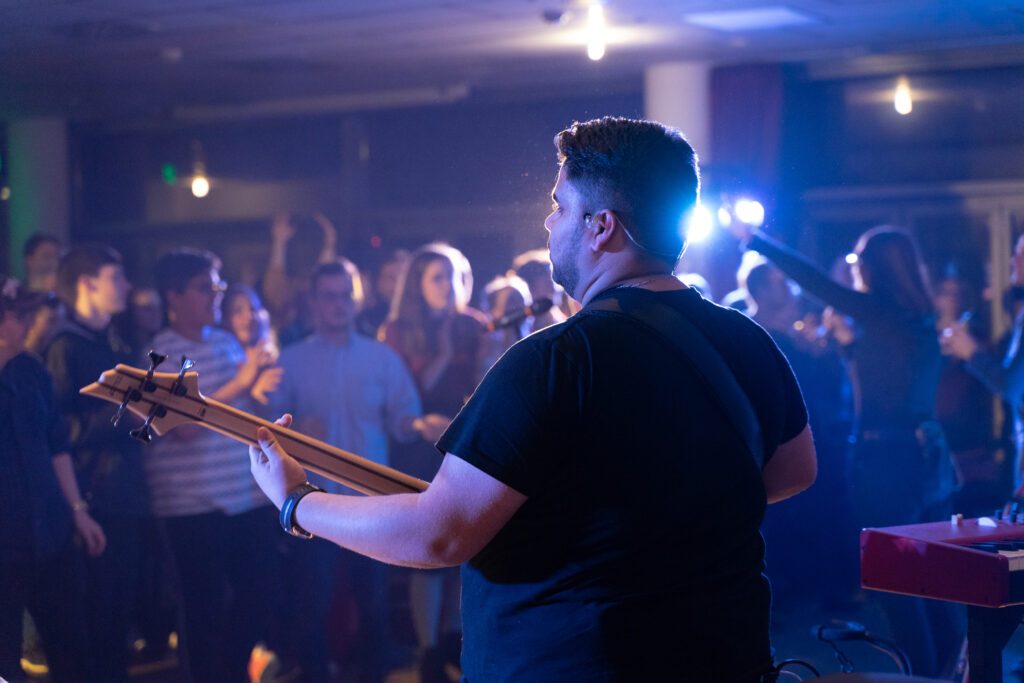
214, 286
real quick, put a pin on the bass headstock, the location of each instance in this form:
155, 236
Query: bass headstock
164, 400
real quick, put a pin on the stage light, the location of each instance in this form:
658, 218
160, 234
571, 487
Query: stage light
724, 217
699, 224
5, 193
749, 211
596, 31
200, 186
902, 99
851, 258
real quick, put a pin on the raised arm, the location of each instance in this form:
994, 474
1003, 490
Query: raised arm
810, 277
446, 525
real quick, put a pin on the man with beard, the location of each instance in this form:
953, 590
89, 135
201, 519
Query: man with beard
604, 498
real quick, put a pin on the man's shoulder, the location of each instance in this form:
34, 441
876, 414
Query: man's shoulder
69, 334
219, 337
566, 337
26, 363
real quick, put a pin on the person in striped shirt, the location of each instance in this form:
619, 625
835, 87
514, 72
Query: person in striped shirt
219, 524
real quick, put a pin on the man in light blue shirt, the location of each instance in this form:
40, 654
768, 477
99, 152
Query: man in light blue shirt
354, 393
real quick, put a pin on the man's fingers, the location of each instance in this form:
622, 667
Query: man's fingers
268, 442
285, 420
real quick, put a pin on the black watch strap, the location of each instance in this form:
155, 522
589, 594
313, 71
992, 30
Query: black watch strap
288, 509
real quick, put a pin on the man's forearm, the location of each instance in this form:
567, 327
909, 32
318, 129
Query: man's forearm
393, 529
65, 471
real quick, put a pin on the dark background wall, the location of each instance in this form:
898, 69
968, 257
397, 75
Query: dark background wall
477, 174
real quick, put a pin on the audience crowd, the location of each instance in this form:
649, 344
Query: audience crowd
108, 547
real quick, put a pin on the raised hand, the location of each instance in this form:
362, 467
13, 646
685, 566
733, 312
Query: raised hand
956, 341
281, 228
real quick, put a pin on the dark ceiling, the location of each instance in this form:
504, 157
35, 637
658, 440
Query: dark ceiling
205, 59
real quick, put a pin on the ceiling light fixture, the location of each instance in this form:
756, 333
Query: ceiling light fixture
200, 183
902, 99
597, 37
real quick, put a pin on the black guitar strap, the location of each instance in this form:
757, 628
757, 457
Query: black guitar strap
692, 346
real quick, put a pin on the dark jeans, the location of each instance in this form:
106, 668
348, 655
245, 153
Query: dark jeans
53, 592
228, 577
113, 583
313, 570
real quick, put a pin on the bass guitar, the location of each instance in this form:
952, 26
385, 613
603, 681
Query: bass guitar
166, 400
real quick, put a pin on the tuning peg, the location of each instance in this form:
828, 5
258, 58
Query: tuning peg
178, 389
155, 359
143, 433
132, 395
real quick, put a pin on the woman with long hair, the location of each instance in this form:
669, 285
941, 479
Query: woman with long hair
243, 315
435, 331
900, 470
439, 337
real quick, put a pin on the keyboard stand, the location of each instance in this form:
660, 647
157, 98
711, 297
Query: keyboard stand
988, 631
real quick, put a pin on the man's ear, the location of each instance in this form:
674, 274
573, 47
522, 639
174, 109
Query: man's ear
605, 231
84, 284
171, 299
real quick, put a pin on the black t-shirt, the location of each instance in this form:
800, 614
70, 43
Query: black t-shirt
637, 554
108, 463
35, 520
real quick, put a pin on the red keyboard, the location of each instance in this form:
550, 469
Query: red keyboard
970, 561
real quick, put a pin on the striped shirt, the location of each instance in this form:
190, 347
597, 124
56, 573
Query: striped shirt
202, 471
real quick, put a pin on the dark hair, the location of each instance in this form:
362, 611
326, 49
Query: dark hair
83, 260
174, 269
757, 279
337, 266
260, 315
892, 269
409, 310
642, 170
408, 303
37, 240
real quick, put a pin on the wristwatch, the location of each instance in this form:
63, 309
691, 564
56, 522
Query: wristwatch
288, 509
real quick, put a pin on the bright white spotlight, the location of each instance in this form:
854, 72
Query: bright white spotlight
851, 258
902, 99
749, 211
724, 217
596, 31
699, 224
200, 186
